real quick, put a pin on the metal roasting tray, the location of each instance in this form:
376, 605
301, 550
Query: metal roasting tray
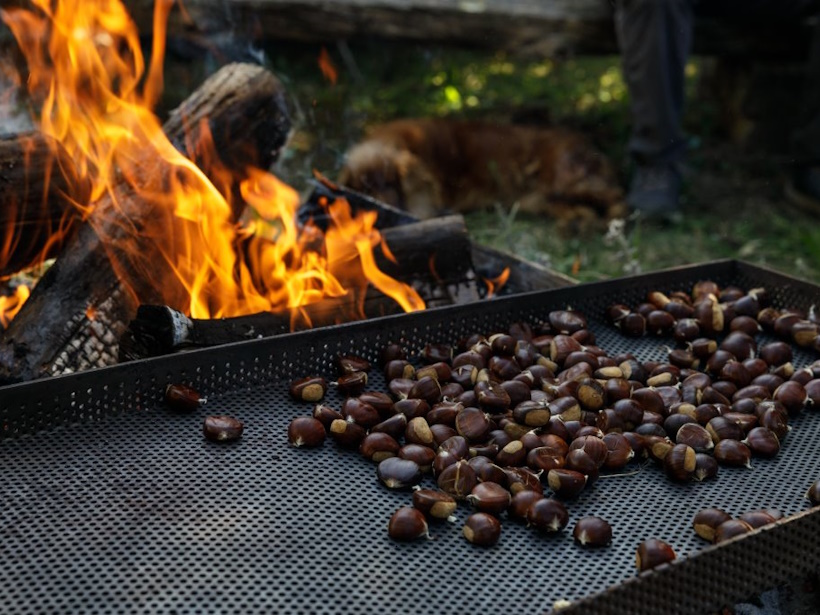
110, 503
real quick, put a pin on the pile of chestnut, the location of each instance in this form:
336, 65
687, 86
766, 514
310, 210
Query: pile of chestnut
517, 422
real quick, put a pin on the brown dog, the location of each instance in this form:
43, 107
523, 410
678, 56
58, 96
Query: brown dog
429, 166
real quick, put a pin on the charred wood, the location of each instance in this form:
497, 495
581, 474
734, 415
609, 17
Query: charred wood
442, 242
40, 199
81, 297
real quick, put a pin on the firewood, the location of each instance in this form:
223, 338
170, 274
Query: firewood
80, 307
440, 242
40, 199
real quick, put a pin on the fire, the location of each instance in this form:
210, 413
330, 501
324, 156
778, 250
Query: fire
497, 283
327, 67
9, 306
97, 96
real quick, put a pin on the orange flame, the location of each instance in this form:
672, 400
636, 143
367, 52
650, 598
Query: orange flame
86, 64
9, 306
497, 283
327, 67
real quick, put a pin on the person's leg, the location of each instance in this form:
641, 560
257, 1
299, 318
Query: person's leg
655, 37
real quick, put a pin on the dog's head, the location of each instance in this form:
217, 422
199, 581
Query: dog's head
392, 175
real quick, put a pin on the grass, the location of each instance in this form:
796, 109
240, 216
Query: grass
733, 197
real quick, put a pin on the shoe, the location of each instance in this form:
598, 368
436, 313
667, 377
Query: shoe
655, 192
803, 189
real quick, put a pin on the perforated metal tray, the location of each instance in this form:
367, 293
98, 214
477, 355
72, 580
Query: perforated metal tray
110, 503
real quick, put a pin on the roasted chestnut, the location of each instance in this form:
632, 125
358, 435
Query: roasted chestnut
730, 529
490, 497
547, 515
482, 529
397, 473
183, 397
707, 520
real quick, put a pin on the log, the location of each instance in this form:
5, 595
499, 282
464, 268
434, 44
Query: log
80, 308
526, 28
40, 199
159, 329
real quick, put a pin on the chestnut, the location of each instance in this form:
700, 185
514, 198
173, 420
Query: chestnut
757, 518
378, 447
680, 463
306, 431
433, 353
730, 529
183, 397
457, 479
222, 428
422, 455
393, 426
418, 432
349, 364
521, 502
407, 524
490, 497
356, 411
696, 436
592, 532
763, 442
352, 383
733, 453
513, 454
705, 467
813, 493
346, 433
436, 504
397, 473
522, 479
473, 424
309, 388
547, 515
426, 388
707, 520
652, 553
565, 483
482, 529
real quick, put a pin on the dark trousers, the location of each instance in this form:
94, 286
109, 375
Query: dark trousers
655, 37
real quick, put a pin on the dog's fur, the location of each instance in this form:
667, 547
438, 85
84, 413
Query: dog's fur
430, 166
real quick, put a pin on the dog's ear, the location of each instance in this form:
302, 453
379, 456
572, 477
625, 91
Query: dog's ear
421, 192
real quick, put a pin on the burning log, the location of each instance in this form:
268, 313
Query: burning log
80, 307
438, 249
40, 199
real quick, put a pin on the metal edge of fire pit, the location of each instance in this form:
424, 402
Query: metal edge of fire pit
711, 577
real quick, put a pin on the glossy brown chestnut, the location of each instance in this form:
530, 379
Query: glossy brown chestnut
349, 364
473, 424
436, 504
733, 453
680, 463
592, 532
393, 426
482, 529
813, 494
707, 520
757, 518
490, 498
696, 436
422, 455
306, 431
513, 454
457, 479
652, 553
566, 484
407, 524
730, 529
222, 428
352, 383
310, 388
378, 447
397, 473
705, 467
547, 515
763, 442
346, 433
183, 398
418, 432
